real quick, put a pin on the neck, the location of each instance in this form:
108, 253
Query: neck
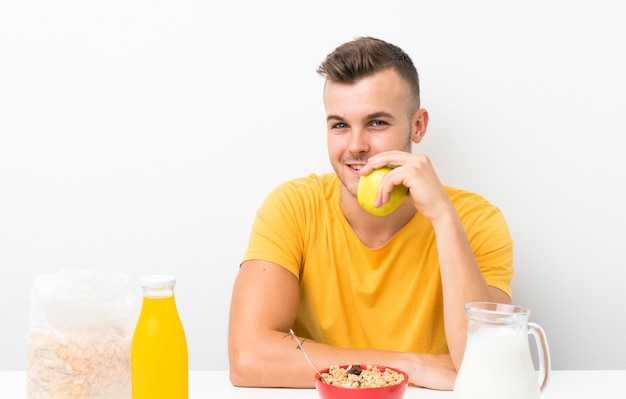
374, 231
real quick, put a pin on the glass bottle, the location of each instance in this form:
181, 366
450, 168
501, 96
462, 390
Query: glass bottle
159, 359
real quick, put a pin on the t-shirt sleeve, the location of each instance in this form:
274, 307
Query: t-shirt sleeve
492, 245
275, 235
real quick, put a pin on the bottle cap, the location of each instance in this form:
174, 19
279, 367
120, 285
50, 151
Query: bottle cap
158, 281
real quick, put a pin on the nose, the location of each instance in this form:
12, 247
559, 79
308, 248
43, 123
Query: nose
359, 142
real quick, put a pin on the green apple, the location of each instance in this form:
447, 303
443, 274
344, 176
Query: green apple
368, 187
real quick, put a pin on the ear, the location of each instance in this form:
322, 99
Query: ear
419, 124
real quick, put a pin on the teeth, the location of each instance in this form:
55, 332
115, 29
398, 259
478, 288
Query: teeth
357, 167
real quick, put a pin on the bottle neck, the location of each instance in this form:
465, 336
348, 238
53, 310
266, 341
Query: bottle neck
162, 292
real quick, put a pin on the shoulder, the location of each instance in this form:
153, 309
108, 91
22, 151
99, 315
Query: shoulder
470, 205
460, 197
313, 181
313, 184
477, 214
315, 193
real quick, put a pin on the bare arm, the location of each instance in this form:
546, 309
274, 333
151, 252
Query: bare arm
462, 279
262, 353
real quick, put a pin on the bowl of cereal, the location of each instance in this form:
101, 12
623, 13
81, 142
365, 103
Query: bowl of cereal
361, 382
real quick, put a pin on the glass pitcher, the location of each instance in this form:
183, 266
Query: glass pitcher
497, 362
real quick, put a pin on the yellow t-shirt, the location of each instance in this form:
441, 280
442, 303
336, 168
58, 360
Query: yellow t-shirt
353, 296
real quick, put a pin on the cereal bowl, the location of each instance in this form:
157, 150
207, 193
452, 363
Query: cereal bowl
361, 382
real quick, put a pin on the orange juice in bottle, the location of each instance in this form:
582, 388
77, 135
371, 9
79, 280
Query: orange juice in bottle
159, 362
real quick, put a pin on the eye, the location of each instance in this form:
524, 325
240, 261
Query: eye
340, 125
379, 123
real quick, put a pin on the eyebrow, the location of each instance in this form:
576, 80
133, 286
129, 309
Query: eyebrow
375, 115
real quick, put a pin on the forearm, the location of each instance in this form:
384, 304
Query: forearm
462, 281
274, 360
268, 359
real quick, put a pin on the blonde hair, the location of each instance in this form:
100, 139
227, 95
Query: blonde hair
366, 56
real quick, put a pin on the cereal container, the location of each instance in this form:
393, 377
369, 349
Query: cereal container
159, 360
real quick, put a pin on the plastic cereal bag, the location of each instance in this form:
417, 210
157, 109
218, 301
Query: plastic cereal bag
81, 326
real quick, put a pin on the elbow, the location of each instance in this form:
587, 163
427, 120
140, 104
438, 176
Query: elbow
242, 368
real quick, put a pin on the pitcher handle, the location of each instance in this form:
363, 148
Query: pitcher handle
543, 352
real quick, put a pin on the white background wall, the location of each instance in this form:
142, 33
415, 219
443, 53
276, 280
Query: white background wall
141, 136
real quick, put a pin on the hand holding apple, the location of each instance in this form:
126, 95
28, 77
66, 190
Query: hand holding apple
368, 188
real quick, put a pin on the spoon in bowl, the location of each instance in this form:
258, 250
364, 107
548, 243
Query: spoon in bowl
308, 359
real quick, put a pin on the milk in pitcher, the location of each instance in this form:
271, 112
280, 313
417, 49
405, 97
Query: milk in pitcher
497, 363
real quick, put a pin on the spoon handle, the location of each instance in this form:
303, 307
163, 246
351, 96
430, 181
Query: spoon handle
304, 353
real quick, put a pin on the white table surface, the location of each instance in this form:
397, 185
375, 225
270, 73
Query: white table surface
574, 384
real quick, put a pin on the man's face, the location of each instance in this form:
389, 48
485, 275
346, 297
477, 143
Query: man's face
363, 119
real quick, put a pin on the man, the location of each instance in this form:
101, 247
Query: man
359, 288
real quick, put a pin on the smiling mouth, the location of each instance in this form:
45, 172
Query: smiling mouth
354, 166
